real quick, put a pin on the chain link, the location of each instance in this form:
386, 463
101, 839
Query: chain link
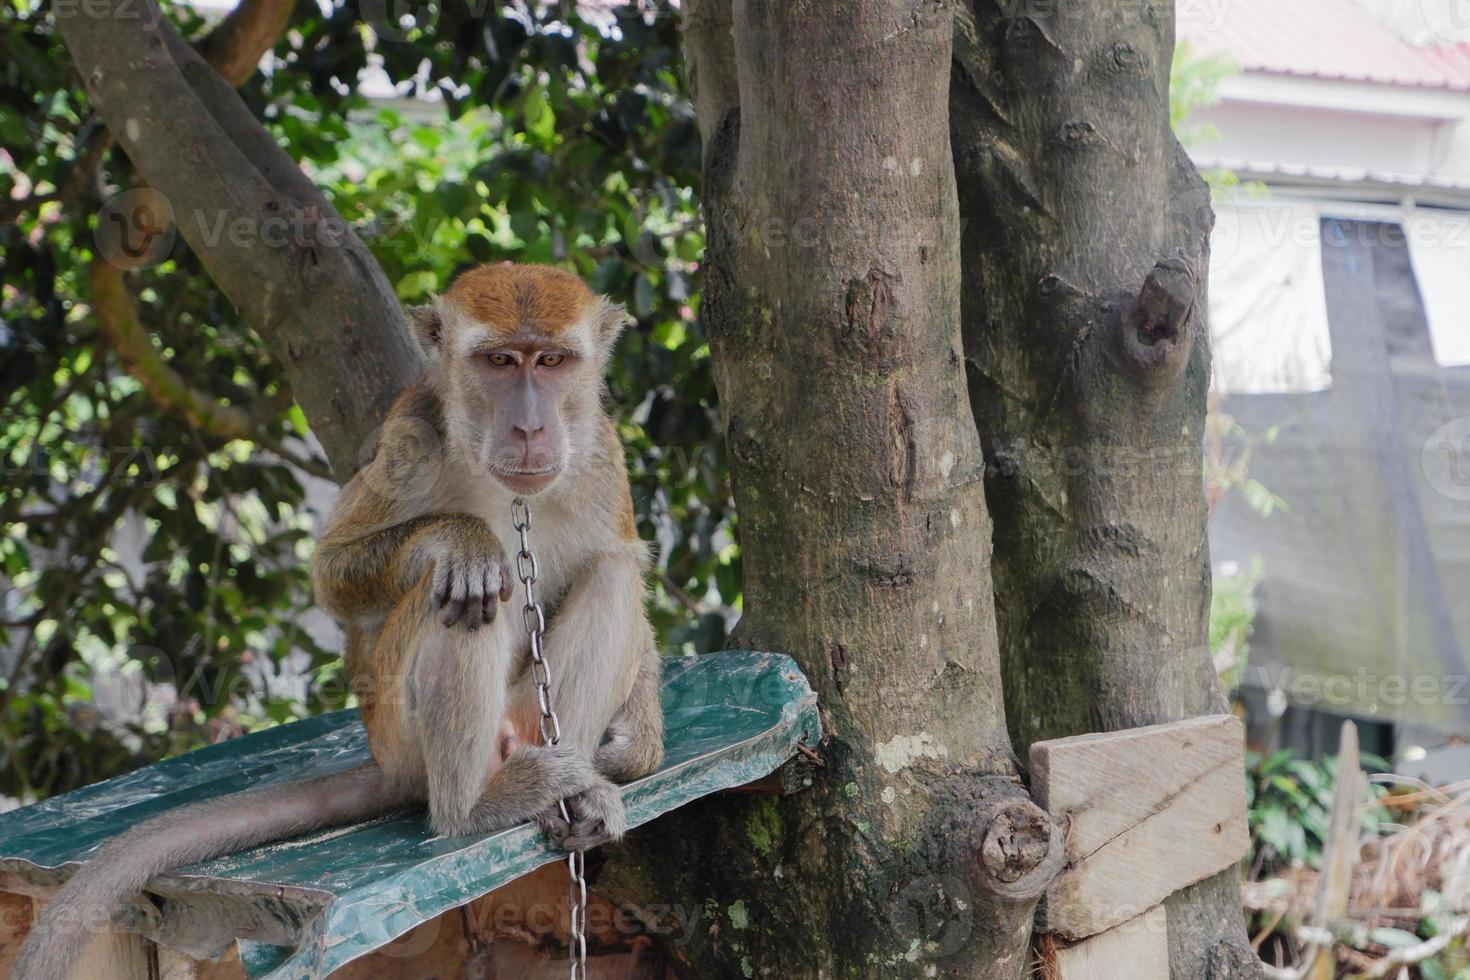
535, 622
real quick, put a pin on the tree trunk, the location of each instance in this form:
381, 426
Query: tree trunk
1085, 252
832, 305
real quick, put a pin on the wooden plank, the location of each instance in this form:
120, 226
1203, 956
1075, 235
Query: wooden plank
112, 954
1137, 949
1147, 811
1340, 850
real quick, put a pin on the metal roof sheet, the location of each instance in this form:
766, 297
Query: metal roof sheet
1319, 39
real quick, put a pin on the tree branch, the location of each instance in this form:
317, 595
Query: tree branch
269, 239
237, 43
168, 389
234, 47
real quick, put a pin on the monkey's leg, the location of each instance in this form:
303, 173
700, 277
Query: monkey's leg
634, 744
454, 695
455, 702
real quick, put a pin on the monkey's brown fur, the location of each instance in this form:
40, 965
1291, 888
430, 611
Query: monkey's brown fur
417, 560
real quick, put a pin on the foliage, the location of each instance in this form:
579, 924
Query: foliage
1232, 619
1408, 892
1228, 450
146, 560
1194, 83
1289, 802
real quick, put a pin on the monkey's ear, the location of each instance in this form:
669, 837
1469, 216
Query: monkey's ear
611, 318
428, 326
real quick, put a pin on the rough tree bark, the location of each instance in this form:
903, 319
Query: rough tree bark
832, 305
271, 241
1085, 252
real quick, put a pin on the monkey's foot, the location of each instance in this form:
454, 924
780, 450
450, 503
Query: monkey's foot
597, 818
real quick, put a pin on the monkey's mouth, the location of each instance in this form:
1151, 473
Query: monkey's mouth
525, 480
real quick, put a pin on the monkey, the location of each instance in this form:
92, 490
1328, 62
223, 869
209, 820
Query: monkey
419, 561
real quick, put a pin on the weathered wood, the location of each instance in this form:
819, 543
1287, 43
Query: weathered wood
1137, 949
174, 965
438, 949
1148, 811
15, 922
1340, 850
112, 954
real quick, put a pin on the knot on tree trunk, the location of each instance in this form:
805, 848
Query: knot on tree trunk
1016, 842
1156, 330
1006, 846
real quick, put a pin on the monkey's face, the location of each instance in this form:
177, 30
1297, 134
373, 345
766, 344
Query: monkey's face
518, 354
516, 413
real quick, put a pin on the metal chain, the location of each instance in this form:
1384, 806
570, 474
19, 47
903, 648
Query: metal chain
535, 622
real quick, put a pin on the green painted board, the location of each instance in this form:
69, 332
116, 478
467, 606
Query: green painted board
302, 908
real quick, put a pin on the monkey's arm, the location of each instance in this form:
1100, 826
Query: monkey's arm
363, 566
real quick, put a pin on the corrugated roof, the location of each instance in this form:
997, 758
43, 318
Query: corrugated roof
1274, 171
1319, 39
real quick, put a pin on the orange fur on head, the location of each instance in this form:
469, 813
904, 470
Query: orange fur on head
515, 298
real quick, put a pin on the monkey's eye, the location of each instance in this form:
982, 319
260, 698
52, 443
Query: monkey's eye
500, 359
552, 360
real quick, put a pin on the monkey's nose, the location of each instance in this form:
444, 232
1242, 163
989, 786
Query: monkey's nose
528, 429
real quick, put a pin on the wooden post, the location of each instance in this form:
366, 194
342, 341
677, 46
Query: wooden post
1340, 850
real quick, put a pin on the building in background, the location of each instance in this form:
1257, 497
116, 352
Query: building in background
1340, 308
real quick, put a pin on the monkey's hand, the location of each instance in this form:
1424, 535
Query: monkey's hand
471, 574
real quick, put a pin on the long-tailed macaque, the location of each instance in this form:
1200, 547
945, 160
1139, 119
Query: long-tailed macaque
418, 561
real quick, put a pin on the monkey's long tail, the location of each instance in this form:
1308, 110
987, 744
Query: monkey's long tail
124, 865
